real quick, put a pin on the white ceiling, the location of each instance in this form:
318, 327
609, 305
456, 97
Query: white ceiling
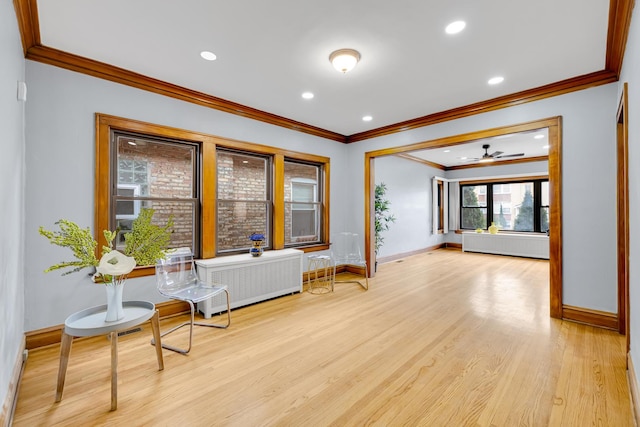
531, 144
269, 52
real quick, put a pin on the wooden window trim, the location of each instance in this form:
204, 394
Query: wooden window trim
279, 157
105, 124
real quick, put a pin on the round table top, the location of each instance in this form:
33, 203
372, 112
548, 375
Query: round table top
90, 321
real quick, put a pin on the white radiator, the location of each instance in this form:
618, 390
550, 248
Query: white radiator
251, 279
525, 245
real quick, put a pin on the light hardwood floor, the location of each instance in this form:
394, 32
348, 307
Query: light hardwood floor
441, 339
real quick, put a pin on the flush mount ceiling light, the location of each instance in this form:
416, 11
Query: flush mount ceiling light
344, 60
209, 56
455, 27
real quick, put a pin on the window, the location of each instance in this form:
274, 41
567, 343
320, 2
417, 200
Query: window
473, 207
517, 206
187, 174
303, 208
244, 199
544, 206
158, 174
440, 207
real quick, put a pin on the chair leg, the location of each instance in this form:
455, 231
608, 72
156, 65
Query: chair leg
216, 325
359, 282
191, 323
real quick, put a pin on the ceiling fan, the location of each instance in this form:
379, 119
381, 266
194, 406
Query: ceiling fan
486, 157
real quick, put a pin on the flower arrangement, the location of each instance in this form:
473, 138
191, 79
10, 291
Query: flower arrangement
145, 244
256, 237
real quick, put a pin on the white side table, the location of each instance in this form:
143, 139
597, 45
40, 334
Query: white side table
90, 322
320, 274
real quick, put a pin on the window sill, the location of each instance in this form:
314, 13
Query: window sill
311, 248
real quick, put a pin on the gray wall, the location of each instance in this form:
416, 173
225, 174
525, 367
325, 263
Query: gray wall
631, 74
589, 231
12, 169
60, 162
60, 156
409, 191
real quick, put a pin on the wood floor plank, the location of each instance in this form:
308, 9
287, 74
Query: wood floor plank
442, 338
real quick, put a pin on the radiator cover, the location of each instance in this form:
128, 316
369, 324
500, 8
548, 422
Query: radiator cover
251, 279
525, 245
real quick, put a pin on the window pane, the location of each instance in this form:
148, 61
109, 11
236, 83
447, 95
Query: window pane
544, 219
244, 205
156, 168
160, 175
544, 209
183, 212
237, 220
242, 176
303, 218
474, 195
522, 199
473, 218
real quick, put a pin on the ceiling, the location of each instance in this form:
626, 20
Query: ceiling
269, 53
529, 144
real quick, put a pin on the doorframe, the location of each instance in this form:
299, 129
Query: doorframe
622, 211
554, 126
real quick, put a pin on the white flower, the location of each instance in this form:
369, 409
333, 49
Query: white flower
115, 263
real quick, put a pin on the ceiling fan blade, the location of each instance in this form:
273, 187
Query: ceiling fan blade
496, 153
510, 155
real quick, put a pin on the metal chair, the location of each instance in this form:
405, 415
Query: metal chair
177, 278
345, 250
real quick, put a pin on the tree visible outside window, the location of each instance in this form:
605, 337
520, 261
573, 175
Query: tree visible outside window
518, 206
473, 211
524, 220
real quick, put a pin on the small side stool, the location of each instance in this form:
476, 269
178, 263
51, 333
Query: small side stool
320, 275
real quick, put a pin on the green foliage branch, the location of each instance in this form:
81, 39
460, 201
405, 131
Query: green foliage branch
383, 218
146, 242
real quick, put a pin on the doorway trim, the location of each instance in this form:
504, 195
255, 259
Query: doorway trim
622, 212
554, 126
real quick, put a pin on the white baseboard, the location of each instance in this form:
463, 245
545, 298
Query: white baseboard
9, 404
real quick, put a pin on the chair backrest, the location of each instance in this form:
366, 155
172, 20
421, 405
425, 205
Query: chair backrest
176, 271
345, 248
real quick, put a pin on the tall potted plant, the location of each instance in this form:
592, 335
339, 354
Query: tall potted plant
383, 217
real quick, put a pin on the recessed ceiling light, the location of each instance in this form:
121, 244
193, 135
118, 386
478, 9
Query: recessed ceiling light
539, 136
447, 151
132, 143
463, 158
367, 118
307, 95
495, 80
546, 147
455, 27
209, 56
